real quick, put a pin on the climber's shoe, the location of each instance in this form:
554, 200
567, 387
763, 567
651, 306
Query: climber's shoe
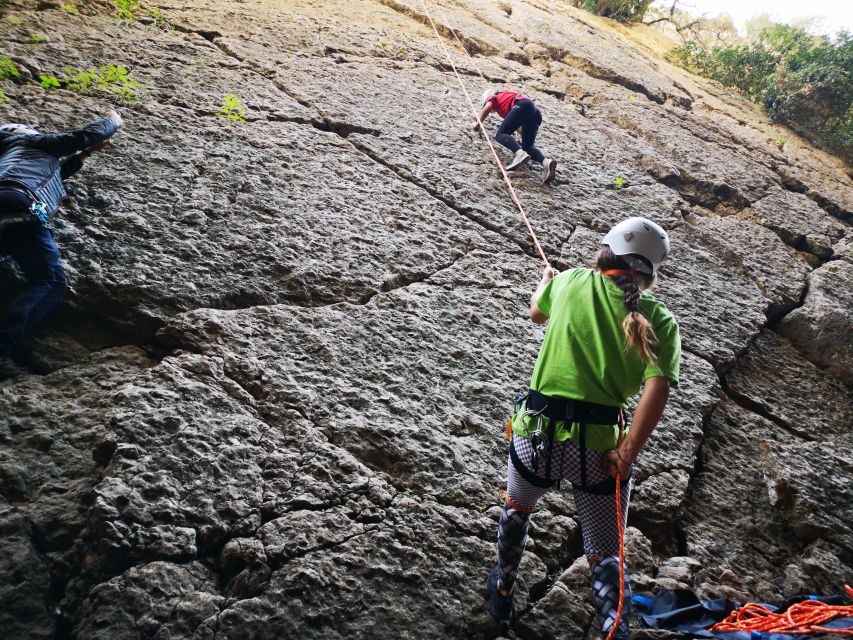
521, 156
500, 606
10, 369
549, 170
605, 597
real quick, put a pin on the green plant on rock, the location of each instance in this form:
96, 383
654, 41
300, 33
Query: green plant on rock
3, 97
232, 109
70, 7
618, 182
621, 10
126, 9
49, 82
158, 20
109, 78
200, 63
8, 69
36, 38
79, 80
15, 21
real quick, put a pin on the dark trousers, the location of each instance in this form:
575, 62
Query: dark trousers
32, 246
527, 116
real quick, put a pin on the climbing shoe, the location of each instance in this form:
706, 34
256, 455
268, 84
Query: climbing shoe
521, 156
605, 597
549, 170
500, 606
10, 369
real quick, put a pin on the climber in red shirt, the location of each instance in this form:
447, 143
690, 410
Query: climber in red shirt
518, 111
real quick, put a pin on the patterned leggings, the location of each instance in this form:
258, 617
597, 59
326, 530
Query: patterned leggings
597, 513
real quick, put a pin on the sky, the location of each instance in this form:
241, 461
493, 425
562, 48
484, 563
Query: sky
835, 14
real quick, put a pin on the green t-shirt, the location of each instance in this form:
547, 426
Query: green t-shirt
583, 355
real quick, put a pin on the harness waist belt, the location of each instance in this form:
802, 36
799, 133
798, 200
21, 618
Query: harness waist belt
18, 187
570, 410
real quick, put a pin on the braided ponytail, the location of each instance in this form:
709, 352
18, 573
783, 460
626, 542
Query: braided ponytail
639, 334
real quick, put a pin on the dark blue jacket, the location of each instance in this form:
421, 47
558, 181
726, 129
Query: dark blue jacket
38, 163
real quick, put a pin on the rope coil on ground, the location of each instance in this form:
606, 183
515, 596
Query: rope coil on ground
804, 617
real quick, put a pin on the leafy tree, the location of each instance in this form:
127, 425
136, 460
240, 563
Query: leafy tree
621, 10
691, 27
803, 81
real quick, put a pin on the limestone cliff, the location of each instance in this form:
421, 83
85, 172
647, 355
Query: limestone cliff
273, 403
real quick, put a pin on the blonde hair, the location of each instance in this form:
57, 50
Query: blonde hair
639, 333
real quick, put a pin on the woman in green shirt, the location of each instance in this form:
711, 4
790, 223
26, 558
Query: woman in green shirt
605, 338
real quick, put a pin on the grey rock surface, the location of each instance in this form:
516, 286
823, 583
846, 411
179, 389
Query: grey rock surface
822, 328
272, 404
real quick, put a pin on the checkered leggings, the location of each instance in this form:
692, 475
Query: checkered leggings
597, 513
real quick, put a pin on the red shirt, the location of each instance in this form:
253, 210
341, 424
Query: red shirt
505, 100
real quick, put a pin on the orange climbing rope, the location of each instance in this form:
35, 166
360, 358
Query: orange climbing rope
505, 175
804, 617
618, 617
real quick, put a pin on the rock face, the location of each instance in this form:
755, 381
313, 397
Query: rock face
272, 405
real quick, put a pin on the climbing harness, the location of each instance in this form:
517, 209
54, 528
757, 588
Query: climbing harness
515, 199
35, 213
807, 616
474, 111
539, 406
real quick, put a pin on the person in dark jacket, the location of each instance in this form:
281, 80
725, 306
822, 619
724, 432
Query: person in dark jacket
32, 168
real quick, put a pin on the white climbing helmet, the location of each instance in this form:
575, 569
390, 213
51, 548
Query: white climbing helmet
12, 129
488, 93
640, 242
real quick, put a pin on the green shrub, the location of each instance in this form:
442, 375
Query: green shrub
110, 78
8, 69
158, 20
802, 81
126, 9
232, 109
36, 38
15, 21
49, 82
3, 97
621, 10
70, 7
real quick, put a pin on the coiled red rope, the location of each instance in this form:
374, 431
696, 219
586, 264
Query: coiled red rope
804, 617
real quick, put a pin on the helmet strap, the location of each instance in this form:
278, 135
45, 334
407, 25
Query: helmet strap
618, 272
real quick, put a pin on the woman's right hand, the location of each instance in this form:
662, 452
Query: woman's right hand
616, 462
